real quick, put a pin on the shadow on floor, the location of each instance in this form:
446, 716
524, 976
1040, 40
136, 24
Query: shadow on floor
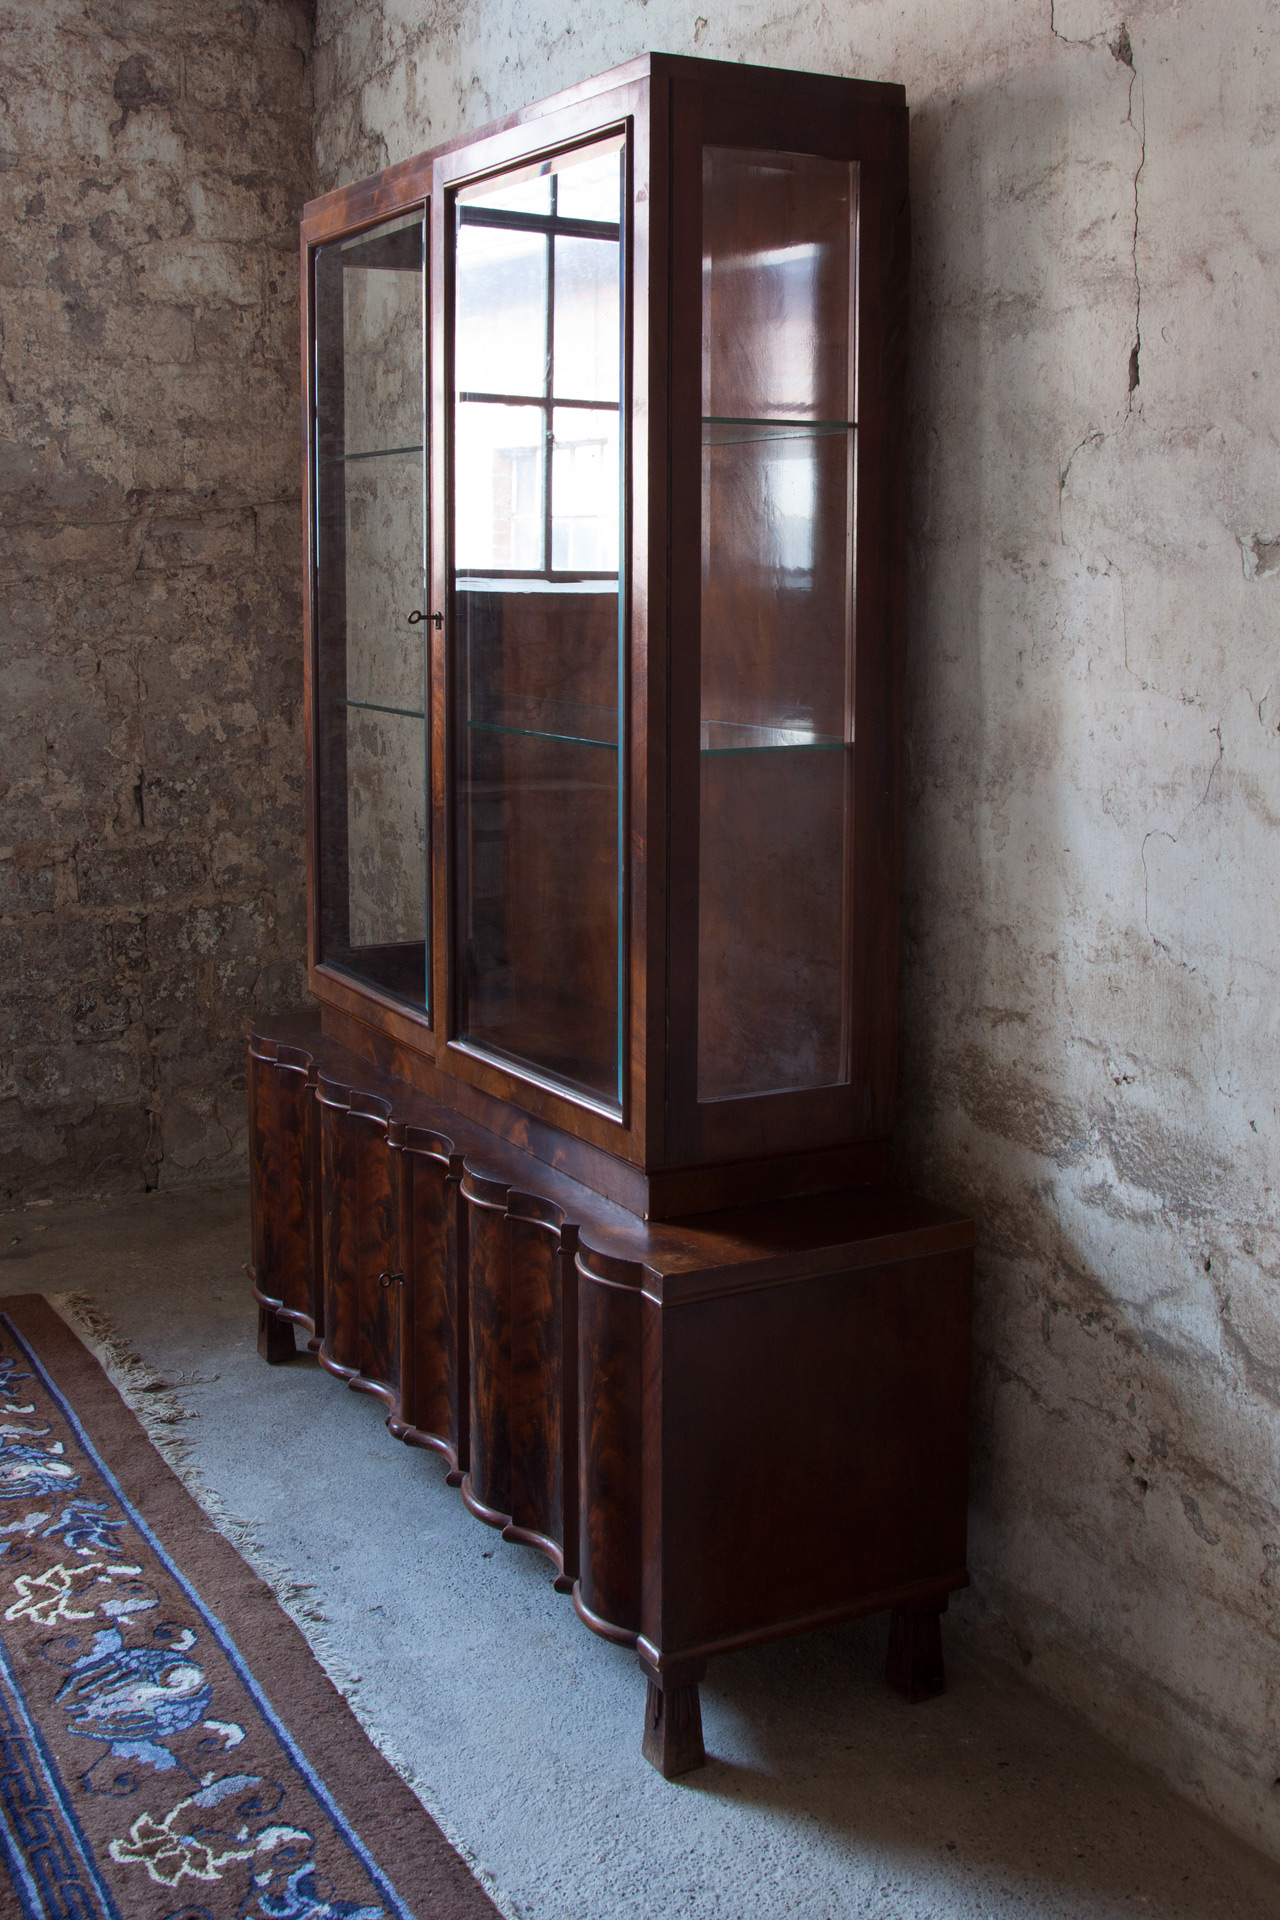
988, 1801
989, 1784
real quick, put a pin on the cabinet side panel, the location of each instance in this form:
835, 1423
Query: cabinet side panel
786, 701
829, 1420
609, 1452
489, 1290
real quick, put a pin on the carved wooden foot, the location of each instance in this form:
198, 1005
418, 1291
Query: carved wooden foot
275, 1338
914, 1667
673, 1730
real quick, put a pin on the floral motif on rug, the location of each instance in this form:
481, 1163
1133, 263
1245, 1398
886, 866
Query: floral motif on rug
144, 1774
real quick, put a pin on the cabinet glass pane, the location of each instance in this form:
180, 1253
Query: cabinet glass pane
501, 307
586, 319
370, 587
535, 629
498, 486
776, 632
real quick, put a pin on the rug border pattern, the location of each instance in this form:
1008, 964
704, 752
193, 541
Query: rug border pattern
247, 1678
337, 1767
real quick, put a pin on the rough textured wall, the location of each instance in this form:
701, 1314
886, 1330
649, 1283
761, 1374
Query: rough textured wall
1089, 1004
152, 163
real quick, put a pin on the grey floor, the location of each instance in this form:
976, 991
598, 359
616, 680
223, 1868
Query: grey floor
826, 1798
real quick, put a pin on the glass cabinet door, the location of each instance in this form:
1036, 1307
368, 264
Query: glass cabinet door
536, 653
369, 481
775, 782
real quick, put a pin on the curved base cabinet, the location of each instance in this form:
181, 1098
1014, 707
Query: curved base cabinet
719, 1431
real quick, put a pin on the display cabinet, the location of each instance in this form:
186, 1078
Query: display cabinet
605, 508
605, 468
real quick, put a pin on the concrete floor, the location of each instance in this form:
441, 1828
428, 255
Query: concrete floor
826, 1798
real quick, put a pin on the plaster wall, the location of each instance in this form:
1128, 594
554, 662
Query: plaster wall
1089, 995
152, 165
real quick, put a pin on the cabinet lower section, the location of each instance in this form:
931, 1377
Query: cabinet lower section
718, 1431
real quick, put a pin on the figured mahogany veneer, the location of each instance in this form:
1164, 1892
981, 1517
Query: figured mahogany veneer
718, 1431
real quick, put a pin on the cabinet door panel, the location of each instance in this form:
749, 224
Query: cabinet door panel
536, 632
369, 486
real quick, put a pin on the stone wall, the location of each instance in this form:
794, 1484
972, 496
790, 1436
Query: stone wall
153, 160
1089, 1002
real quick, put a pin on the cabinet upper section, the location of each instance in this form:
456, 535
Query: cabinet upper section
605, 497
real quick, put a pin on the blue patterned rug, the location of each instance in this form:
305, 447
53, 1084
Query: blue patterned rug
169, 1747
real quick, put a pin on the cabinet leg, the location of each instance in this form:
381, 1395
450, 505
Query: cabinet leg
914, 1667
673, 1729
275, 1338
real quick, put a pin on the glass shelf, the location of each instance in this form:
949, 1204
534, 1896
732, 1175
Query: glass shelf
373, 453
731, 736
723, 431
538, 733
374, 706
574, 723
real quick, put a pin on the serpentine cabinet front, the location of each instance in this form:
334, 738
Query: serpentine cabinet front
718, 1431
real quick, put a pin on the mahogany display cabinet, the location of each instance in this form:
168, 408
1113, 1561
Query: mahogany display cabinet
581, 1166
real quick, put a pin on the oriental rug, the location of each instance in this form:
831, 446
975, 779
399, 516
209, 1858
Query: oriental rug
169, 1747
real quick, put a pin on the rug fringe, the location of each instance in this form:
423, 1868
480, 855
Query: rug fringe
154, 1403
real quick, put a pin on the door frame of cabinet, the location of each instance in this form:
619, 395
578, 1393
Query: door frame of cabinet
626, 109
338, 216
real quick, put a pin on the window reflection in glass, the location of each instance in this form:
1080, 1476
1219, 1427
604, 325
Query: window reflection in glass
586, 319
584, 491
538, 318
498, 482
502, 311
528, 191
589, 183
